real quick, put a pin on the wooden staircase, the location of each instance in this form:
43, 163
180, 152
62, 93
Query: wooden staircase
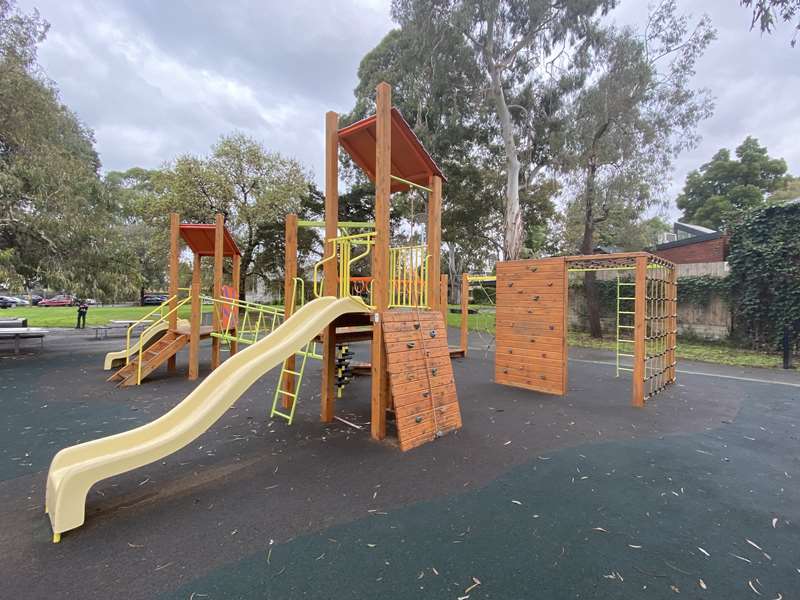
152, 358
421, 379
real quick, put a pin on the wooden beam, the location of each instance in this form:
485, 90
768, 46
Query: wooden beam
194, 335
235, 276
331, 268
219, 241
174, 256
639, 332
434, 237
464, 312
289, 273
443, 284
380, 255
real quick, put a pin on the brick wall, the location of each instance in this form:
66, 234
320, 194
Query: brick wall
698, 252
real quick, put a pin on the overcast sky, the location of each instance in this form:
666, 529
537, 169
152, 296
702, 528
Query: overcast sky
156, 79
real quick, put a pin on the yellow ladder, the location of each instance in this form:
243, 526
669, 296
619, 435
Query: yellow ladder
280, 391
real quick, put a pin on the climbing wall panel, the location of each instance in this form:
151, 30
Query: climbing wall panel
531, 325
423, 391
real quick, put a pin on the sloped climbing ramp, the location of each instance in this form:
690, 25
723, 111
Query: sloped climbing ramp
423, 390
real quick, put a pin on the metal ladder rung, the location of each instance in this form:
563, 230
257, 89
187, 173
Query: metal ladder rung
291, 372
275, 411
626, 312
630, 355
627, 298
292, 394
625, 327
626, 283
626, 341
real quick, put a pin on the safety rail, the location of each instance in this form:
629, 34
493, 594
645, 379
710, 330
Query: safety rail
143, 335
160, 309
408, 276
244, 322
343, 250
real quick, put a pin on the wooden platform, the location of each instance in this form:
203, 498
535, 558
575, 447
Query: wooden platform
421, 379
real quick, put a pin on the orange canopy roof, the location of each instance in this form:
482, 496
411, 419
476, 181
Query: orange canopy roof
410, 160
200, 238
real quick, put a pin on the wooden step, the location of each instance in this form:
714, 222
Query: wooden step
150, 363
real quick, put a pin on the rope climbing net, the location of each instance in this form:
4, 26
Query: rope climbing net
661, 306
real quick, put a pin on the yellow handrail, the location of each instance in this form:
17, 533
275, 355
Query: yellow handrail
261, 309
408, 276
159, 308
342, 249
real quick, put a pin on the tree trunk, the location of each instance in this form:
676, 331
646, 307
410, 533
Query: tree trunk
242, 289
141, 296
512, 234
587, 247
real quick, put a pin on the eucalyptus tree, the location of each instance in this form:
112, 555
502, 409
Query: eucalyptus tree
634, 115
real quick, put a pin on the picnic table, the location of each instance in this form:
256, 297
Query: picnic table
13, 322
18, 333
102, 330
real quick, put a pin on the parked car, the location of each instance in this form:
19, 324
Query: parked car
59, 300
154, 299
6, 302
90, 301
35, 299
19, 301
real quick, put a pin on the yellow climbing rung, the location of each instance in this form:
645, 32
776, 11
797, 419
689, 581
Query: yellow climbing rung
283, 382
292, 394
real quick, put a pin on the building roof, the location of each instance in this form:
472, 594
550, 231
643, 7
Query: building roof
410, 160
696, 239
691, 228
200, 238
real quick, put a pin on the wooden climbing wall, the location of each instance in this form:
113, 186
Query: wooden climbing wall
423, 391
531, 325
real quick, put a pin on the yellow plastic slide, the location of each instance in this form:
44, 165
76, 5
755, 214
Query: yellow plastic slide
76, 469
118, 358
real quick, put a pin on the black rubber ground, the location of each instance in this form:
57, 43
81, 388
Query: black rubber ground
536, 497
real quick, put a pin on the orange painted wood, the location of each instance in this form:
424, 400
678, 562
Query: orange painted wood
289, 273
421, 378
219, 239
531, 346
380, 256
330, 268
194, 323
174, 258
443, 296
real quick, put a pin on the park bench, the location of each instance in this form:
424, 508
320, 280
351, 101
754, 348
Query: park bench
20, 333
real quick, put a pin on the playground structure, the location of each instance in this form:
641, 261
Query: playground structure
233, 322
530, 324
410, 365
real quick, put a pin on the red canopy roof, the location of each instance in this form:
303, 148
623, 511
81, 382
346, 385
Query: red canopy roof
200, 238
410, 160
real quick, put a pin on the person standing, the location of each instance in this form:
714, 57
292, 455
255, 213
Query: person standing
83, 308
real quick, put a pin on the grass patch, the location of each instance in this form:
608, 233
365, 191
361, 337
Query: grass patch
67, 316
713, 352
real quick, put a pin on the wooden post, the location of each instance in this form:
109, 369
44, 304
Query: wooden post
219, 241
236, 273
673, 321
331, 268
434, 237
443, 282
289, 273
194, 334
174, 255
639, 332
464, 313
380, 256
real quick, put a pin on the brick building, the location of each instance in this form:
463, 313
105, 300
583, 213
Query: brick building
693, 244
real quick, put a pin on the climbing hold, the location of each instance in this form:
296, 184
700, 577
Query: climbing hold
433, 333
418, 419
434, 371
410, 345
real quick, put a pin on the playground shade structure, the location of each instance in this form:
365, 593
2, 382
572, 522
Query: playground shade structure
76, 469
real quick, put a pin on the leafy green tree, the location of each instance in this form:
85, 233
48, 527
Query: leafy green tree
53, 213
635, 114
766, 13
726, 184
253, 188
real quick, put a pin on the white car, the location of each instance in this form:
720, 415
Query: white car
9, 299
19, 301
